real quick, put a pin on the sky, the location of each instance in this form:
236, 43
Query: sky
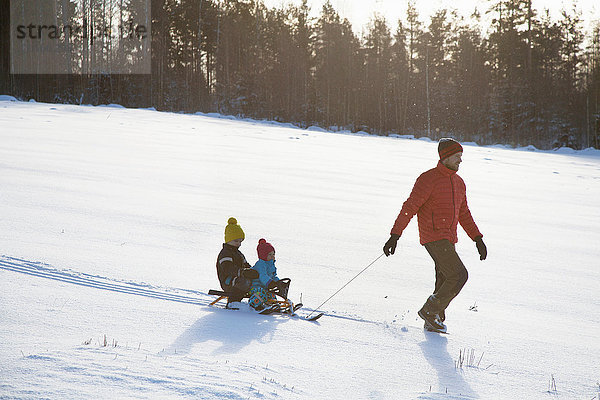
360, 11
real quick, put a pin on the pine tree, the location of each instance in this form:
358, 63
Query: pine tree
400, 78
378, 57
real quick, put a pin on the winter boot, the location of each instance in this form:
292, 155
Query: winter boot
233, 305
430, 328
429, 313
442, 315
270, 309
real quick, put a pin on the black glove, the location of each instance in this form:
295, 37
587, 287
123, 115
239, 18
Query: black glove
390, 246
481, 248
249, 273
241, 283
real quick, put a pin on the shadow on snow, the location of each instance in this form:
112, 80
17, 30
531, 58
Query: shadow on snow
233, 330
450, 381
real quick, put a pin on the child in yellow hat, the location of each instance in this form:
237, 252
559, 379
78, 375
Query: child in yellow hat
233, 270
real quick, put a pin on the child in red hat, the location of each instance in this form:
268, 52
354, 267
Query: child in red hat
267, 280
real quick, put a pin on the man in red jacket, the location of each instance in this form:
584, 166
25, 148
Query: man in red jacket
439, 199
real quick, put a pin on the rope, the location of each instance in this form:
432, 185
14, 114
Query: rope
347, 283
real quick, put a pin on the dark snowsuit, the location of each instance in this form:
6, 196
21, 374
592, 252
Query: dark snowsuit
230, 262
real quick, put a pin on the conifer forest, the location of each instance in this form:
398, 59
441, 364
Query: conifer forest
523, 78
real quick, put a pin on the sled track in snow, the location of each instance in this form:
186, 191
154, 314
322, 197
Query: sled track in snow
43, 270
98, 282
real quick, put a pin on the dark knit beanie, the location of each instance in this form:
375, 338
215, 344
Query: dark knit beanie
448, 147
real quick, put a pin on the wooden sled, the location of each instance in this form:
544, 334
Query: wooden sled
280, 296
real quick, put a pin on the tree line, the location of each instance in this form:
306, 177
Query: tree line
527, 78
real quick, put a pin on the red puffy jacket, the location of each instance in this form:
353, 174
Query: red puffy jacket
439, 199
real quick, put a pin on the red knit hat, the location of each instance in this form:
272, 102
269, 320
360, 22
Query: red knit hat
448, 147
263, 249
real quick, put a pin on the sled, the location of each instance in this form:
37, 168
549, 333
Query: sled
280, 297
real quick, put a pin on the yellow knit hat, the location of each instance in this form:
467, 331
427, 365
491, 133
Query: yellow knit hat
233, 230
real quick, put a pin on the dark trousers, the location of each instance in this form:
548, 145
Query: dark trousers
450, 273
237, 295
239, 289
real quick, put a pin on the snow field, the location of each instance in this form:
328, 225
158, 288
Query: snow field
134, 202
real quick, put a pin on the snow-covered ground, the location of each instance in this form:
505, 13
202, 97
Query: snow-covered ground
111, 221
